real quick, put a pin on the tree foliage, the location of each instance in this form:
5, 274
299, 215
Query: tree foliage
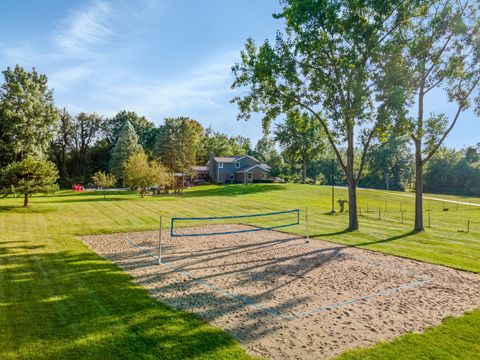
301, 139
28, 176
177, 143
454, 172
140, 173
144, 128
126, 146
265, 150
213, 142
330, 64
104, 180
390, 165
441, 55
28, 115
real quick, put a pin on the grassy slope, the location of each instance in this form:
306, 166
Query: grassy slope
58, 299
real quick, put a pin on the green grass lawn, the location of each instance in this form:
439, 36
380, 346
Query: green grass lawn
60, 300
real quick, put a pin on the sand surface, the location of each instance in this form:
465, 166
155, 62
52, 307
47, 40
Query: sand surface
284, 298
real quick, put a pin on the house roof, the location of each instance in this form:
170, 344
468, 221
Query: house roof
200, 168
230, 159
264, 167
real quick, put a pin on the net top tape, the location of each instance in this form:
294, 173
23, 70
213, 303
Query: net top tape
236, 216
173, 234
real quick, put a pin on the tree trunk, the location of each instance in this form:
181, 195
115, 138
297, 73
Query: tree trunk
418, 226
352, 184
418, 188
25, 200
304, 171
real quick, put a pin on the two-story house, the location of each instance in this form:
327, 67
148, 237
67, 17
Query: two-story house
236, 169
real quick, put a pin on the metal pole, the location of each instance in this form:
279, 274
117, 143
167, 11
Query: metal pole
468, 226
379, 216
160, 241
306, 223
429, 224
333, 186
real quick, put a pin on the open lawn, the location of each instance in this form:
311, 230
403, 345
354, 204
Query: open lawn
58, 299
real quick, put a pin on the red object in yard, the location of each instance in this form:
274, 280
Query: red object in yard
78, 187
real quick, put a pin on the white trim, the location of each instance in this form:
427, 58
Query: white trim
251, 157
252, 167
237, 164
220, 164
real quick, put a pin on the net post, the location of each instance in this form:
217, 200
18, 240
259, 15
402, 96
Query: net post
306, 223
160, 241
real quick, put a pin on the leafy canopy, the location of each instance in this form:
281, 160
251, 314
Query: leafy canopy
27, 177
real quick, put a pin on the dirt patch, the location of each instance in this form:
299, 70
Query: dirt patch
284, 298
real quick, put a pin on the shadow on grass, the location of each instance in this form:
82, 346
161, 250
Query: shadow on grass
78, 305
31, 209
347, 231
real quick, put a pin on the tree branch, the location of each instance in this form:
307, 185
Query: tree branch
460, 109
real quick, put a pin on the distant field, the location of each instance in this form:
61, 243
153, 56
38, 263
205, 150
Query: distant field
58, 299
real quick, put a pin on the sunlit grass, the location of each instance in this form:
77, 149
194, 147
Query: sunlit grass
60, 300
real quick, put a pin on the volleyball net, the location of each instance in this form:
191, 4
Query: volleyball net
233, 224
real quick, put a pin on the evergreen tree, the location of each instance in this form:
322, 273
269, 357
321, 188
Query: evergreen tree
27, 177
125, 147
27, 115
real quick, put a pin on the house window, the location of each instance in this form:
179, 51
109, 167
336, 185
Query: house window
237, 165
220, 165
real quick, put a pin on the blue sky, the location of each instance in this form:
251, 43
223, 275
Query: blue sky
157, 58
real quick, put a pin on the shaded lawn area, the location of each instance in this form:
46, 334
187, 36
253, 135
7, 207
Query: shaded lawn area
60, 300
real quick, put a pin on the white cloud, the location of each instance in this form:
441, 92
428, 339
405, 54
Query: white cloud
66, 77
85, 28
204, 86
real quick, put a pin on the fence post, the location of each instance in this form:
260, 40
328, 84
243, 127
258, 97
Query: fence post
402, 215
429, 224
379, 213
306, 223
468, 226
160, 241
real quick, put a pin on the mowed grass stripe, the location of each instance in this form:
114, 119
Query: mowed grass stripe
91, 309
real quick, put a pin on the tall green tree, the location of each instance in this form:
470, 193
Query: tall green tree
144, 128
220, 144
28, 116
266, 151
329, 64
301, 138
442, 56
28, 176
390, 165
86, 131
178, 142
126, 146
61, 146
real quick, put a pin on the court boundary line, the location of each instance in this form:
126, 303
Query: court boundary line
270, 311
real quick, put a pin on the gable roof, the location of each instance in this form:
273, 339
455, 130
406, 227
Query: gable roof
231, 159
264, 167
